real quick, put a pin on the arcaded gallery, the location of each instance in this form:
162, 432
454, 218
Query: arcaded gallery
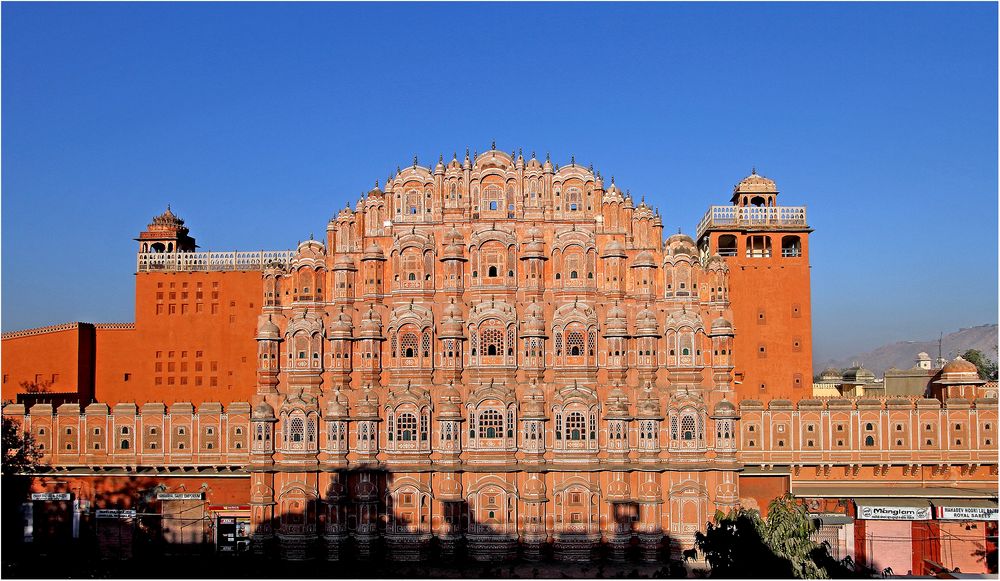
495, 356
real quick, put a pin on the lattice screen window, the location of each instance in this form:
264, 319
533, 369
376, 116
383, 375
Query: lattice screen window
576, 426
492, 341
406, 427
490, 424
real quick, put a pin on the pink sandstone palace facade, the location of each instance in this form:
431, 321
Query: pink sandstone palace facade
497, 356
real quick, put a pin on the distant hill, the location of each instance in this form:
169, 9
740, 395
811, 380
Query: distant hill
901, 354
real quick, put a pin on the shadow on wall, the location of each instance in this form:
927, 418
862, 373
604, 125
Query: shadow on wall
363, 526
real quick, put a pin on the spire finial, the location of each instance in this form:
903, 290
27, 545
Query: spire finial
547, 157
440, 158
572, 160
414, 161
753, 170
493, 144
376, 183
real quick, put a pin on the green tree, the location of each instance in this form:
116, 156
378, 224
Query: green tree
742, 544
987, 368
20, 451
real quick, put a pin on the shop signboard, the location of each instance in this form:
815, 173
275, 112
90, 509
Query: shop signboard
232, 534
114, 513
889, 512
51, 496
968, 513
179, 496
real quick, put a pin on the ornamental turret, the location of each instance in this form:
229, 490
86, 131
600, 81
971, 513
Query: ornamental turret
166, 233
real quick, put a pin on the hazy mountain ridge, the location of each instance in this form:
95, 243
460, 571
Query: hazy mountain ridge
901, 354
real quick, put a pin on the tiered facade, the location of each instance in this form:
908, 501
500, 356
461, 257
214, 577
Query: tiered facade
497, 356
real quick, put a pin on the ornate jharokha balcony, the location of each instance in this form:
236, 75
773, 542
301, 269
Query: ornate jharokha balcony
753, 216
206, 261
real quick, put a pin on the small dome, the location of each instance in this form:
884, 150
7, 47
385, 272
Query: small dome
373, 251
342, 325
453, 251
344, 262
645, 323
680, 238
616, 312
830, 373
263, 410
858, 374
959, 365
371, 323
724, 408
268, 330
644, 259
450, 398
757, 184
336, 408
614, 249
166, 221
721, 325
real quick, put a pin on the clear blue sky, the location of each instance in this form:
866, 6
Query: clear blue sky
258, 121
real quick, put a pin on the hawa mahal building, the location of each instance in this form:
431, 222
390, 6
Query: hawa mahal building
498, 357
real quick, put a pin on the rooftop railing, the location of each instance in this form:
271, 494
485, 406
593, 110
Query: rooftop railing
211, 261
753, 216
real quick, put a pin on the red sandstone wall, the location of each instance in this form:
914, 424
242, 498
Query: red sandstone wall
51, 354
761, 490
115, 365
777, 288
194, 340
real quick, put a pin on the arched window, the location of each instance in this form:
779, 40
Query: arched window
574, 343
297, 429
490, 424
687, 428
576, 426
492, 339
125, 444
406, 427
493, 197
574, 200
408, 345
869, 441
